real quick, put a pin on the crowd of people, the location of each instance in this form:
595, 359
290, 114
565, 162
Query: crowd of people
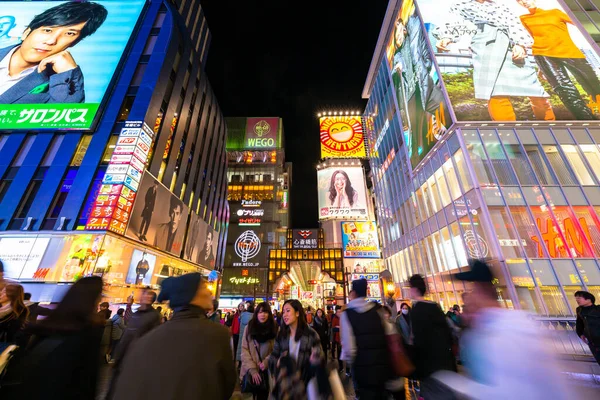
297, 353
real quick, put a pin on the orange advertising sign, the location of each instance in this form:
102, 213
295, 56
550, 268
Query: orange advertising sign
342, 137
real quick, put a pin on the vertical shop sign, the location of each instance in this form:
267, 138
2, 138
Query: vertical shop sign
112, 208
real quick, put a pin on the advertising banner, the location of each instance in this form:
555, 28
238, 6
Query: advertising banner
513, 60
261, 133
305, 239
363, 266
342, 193
22, 256
158, 217
342, 137
360, 240
247, 249
425, 116
141, 267
61, 58
201, 243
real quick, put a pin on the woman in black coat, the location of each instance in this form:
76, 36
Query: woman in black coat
320, 325
61, 361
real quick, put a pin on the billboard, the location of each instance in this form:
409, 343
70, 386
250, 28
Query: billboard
261, 133
60, 57
158, 217
305, 239
360, 240
140, 268
342, 137
513, 60
201, 243
425, 114
342, 193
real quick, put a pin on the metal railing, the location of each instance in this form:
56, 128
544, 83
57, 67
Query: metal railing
563, 337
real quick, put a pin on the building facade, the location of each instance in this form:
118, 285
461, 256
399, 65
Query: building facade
259, 182
454, 181
55, 187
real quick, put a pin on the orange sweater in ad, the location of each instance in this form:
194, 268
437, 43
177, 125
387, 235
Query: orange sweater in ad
550, 34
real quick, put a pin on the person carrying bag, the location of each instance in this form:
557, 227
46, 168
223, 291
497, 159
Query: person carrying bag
250, 384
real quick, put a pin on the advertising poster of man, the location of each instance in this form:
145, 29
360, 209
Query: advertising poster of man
342, 193
201, 243
360, 240
51, 72
513, 60
140, 268
425, 115
158, 217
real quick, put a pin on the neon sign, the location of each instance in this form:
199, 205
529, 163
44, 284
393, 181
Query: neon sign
243, 281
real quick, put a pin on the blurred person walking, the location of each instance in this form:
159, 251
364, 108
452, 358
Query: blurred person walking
336, 343
104, 315
118, 328
245, 318
321, 326
588, 321
61, 360
235, 327
13, 315
187, 358
506, 354
35, 310
432, 342
214, 314
364, 344
257, 345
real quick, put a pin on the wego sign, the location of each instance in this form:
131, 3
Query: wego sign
342, 137
261, 132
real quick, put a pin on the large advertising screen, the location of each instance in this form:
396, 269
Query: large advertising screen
513, 60
342, 137
342, 193
360, 240
57, 59
158, 217
201, 243
425, 114
262, 133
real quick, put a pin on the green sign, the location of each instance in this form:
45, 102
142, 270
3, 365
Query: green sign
47, 116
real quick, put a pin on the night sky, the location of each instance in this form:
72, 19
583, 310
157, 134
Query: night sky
292, 59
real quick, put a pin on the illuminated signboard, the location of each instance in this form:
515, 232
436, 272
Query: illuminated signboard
368, 277
112, 208
243, 281
61, 92
247, 246
304, 239
342, 193
251, 203
360, 240
507, 60
261, 132
342, 137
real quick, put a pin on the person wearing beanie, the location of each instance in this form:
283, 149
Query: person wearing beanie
189, 357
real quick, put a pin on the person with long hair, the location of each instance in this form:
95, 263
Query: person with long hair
257, 345
320, 325
245, 318
61, 360
341, 192
403, 323
13, 314
235, 326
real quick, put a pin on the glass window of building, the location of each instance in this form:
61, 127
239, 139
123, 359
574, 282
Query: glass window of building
525, 286
479, 160
591, 154
463, 172
528, 233
509, 241
551, 293
24, 150
577, 239
568, 277
590, 273
578, 165
560, 166
452, 179
52, 150
82, 147
498, 159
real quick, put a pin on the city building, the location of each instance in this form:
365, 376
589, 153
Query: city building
147, 121
464, 167
259, 182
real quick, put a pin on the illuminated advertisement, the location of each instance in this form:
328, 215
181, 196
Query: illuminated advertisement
140, 268
261, 132
247, 246
158, 217
342, 193
22, 256
513, 60
342, 137
201, 243
425, 114
61, 57
305, 239
363, 266
360, 240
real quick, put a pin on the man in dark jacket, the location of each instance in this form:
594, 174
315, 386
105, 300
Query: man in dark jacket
588, 321
364, 344
187, 358
432, 340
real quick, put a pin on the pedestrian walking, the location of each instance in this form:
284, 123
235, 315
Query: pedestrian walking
187, 358
245, 318
214, 314
13, 315
404, 325
104, 315
588, 321
321, 326
506, 354
235, 327
336, 343
61, 360
118, 328
257, 345
364, 344
432, 342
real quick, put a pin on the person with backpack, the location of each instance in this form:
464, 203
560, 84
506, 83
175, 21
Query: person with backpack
588, 321
118, 328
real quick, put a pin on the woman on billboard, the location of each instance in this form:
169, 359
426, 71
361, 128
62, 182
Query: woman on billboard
501, 69
341, 192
